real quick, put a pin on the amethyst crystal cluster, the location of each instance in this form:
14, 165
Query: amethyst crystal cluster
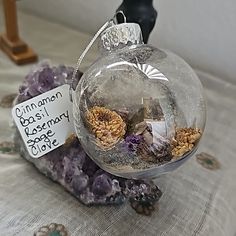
71, 167
43, 78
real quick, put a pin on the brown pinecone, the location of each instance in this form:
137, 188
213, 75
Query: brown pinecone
107, 126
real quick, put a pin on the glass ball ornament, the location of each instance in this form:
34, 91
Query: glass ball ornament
138, 111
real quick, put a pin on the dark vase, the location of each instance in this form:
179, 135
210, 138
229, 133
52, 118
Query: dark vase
141, 12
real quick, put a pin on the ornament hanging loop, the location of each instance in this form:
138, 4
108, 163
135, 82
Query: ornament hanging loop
111, 22
117, 14
79, 61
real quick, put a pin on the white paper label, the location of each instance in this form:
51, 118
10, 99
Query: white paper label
45, 121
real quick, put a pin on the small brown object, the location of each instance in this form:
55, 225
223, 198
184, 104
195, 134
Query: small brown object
184, 141
7, 147
107, 126
143, 209
7, 101
10, 42
70, 140
140, 128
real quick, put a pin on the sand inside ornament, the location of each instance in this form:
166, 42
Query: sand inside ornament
129, 140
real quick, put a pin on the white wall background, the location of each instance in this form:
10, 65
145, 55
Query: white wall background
203, 32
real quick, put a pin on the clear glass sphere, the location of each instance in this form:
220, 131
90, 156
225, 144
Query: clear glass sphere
139, 111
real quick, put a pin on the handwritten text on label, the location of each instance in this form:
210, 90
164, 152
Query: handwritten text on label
45, 121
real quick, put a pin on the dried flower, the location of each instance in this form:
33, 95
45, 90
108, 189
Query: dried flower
107, 125
132, 141
124, 114
184, 141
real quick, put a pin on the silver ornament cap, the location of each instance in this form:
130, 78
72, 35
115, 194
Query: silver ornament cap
120, 35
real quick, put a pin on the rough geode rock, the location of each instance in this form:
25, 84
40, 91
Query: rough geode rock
74, 170
71, 167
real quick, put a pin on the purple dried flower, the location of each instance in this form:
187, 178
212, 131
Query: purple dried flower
135, 139
132, 141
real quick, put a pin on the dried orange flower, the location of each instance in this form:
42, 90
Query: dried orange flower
184, 141
107, 125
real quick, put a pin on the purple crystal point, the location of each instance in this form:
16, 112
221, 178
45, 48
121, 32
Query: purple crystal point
142, 195
102, 185
45, 80
79, 183
89, 167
